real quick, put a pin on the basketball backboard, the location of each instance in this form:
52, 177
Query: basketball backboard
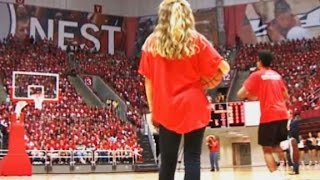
25, 85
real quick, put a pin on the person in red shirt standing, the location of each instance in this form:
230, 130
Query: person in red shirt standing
174, 60
267, 86
214, 147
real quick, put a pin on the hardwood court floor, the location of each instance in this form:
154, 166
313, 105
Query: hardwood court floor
257, 173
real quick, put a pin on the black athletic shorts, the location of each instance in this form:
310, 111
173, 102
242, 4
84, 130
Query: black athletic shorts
271, 134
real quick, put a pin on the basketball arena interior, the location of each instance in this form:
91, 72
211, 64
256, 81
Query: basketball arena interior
93, 118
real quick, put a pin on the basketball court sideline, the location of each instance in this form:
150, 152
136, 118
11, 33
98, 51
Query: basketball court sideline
256, 173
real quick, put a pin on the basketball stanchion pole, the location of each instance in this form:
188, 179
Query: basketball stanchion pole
16, 162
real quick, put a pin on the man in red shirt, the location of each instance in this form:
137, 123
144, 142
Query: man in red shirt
268, 87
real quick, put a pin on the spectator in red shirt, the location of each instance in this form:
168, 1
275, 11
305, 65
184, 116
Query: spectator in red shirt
267, 86
174, 59
214, 147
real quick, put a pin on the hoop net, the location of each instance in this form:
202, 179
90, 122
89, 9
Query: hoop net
38, 100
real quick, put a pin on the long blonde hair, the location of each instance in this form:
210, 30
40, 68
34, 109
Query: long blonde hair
174, 33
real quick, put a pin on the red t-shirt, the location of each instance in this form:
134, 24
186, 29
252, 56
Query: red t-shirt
269, 87
214, 145
179, 100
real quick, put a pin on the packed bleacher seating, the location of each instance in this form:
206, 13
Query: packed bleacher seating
121, 74
298, 61
68, 124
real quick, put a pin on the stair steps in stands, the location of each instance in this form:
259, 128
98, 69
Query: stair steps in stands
149, 162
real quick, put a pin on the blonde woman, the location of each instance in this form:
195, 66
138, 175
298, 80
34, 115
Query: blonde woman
175, 59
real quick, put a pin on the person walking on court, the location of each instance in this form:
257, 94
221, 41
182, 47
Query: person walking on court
214, 147
175, 60
267, 86
294, 156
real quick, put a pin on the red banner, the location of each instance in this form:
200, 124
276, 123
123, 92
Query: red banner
64, 27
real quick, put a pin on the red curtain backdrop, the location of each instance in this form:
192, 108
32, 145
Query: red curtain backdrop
131, 26
233, 18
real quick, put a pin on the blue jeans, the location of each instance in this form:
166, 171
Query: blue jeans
214, 158
169, 143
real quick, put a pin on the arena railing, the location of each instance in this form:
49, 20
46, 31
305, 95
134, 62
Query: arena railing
84, 157
314, 96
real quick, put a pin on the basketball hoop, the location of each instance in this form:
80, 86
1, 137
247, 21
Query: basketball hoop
37, 83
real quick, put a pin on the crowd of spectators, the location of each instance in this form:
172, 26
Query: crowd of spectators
68, 124
120, 73
220, 98
298, 61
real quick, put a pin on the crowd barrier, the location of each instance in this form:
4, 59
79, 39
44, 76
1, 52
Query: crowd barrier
85, 157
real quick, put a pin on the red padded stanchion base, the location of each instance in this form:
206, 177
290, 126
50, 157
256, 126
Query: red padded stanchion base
16, 162
16, 165
0, 167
